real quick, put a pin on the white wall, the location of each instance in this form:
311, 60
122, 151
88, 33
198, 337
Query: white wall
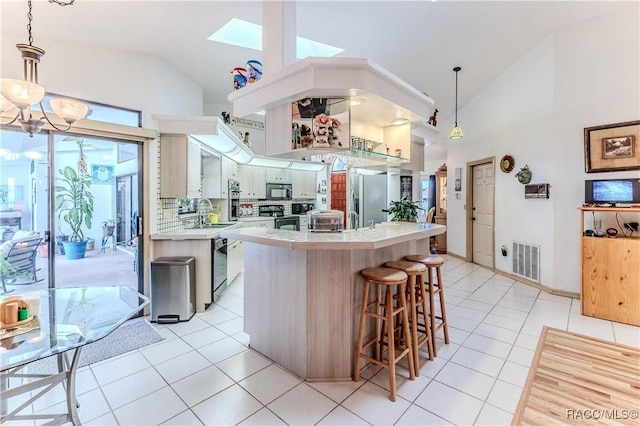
597, 77
114, 77
585, 75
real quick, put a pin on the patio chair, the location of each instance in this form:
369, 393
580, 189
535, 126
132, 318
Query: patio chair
19, 259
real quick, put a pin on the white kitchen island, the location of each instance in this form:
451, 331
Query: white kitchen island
303, 290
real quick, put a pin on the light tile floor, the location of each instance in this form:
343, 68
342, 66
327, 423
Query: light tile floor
205, 373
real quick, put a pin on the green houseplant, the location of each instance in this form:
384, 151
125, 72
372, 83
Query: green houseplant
74, 204
404, 210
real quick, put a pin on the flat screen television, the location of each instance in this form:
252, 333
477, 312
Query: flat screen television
612, 191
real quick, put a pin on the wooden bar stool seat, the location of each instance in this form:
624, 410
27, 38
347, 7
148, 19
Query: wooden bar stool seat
416, 290
384, 309
434, 288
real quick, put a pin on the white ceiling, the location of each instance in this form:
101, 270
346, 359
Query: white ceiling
419, 41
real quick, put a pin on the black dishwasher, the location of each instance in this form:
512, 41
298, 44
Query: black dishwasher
219, 267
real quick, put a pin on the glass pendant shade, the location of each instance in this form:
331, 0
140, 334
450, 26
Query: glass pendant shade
21, 93
456, 132
68, 109
5, 105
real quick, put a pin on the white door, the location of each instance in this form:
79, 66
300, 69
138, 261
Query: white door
482, 214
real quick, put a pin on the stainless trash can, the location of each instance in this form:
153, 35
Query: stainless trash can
173, 289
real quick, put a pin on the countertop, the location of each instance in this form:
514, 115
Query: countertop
194, 234
382, 235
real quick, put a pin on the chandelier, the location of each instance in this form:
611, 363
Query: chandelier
24, 94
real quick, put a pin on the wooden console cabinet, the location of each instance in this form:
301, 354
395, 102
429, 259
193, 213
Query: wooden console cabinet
611, 267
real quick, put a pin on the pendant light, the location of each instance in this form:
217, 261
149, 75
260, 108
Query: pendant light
21, 95
456, 132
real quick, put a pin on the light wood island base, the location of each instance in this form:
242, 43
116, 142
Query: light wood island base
302, 297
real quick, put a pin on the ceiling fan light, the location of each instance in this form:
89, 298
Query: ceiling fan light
21, 93
456, 132
69, 110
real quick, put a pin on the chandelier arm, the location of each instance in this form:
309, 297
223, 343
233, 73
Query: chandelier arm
13, 120
62, 3
46, 117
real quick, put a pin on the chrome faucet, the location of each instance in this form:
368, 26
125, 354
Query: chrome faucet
200, 216
353, 220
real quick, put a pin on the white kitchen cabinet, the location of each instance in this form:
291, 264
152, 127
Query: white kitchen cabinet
278, 175
213, 184
235, 259
180, 167
252, 182
303, 223
304, 184
229, 169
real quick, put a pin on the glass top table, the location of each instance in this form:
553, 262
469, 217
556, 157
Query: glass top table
67, 319
70, 318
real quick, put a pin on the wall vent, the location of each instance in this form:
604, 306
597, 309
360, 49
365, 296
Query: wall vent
526, 260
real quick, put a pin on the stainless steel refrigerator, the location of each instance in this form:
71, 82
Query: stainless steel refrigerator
368, 196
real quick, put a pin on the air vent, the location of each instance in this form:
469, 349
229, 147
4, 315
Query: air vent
526, 260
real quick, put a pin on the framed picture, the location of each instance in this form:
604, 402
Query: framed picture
458, 181
612, 147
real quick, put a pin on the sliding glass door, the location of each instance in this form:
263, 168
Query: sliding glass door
81, 195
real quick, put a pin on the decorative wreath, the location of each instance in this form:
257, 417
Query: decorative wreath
507, 163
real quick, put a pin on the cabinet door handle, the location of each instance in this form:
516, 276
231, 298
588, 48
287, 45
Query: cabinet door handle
588, 256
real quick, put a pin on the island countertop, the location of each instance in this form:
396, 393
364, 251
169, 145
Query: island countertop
383, 235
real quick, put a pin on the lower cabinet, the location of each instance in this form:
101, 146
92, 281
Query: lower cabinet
611, 279
235, 259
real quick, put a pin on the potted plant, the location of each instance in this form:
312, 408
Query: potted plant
108, 227
404, 210
74, 204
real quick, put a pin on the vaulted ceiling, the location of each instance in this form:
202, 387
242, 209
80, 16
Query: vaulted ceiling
419, 41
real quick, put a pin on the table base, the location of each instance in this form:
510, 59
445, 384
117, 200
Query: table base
66, 376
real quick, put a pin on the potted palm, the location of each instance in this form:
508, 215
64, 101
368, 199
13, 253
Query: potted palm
74, 204
404, 210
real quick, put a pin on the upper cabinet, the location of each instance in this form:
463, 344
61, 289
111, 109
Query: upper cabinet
253, 184
304, 184
229, 169
180, 167
311, 107
278, 175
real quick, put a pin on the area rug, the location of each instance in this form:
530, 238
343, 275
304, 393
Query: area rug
576, 379
131, 335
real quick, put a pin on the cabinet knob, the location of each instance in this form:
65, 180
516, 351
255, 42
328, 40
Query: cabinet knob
619, 303
588, 256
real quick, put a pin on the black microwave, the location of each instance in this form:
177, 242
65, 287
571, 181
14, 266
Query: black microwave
279, 191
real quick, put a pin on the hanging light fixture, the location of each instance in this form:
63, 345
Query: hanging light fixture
456, 132
24, 94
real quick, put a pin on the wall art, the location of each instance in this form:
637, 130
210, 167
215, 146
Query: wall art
612, 147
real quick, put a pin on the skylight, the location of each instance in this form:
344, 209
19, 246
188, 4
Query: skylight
241, 33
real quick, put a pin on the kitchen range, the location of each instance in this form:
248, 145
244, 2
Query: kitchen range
291, 223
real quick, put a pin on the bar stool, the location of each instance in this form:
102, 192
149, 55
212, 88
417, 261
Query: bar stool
417, 302
384, 311
433, 288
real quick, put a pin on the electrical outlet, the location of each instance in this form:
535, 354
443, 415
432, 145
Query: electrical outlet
632, 226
